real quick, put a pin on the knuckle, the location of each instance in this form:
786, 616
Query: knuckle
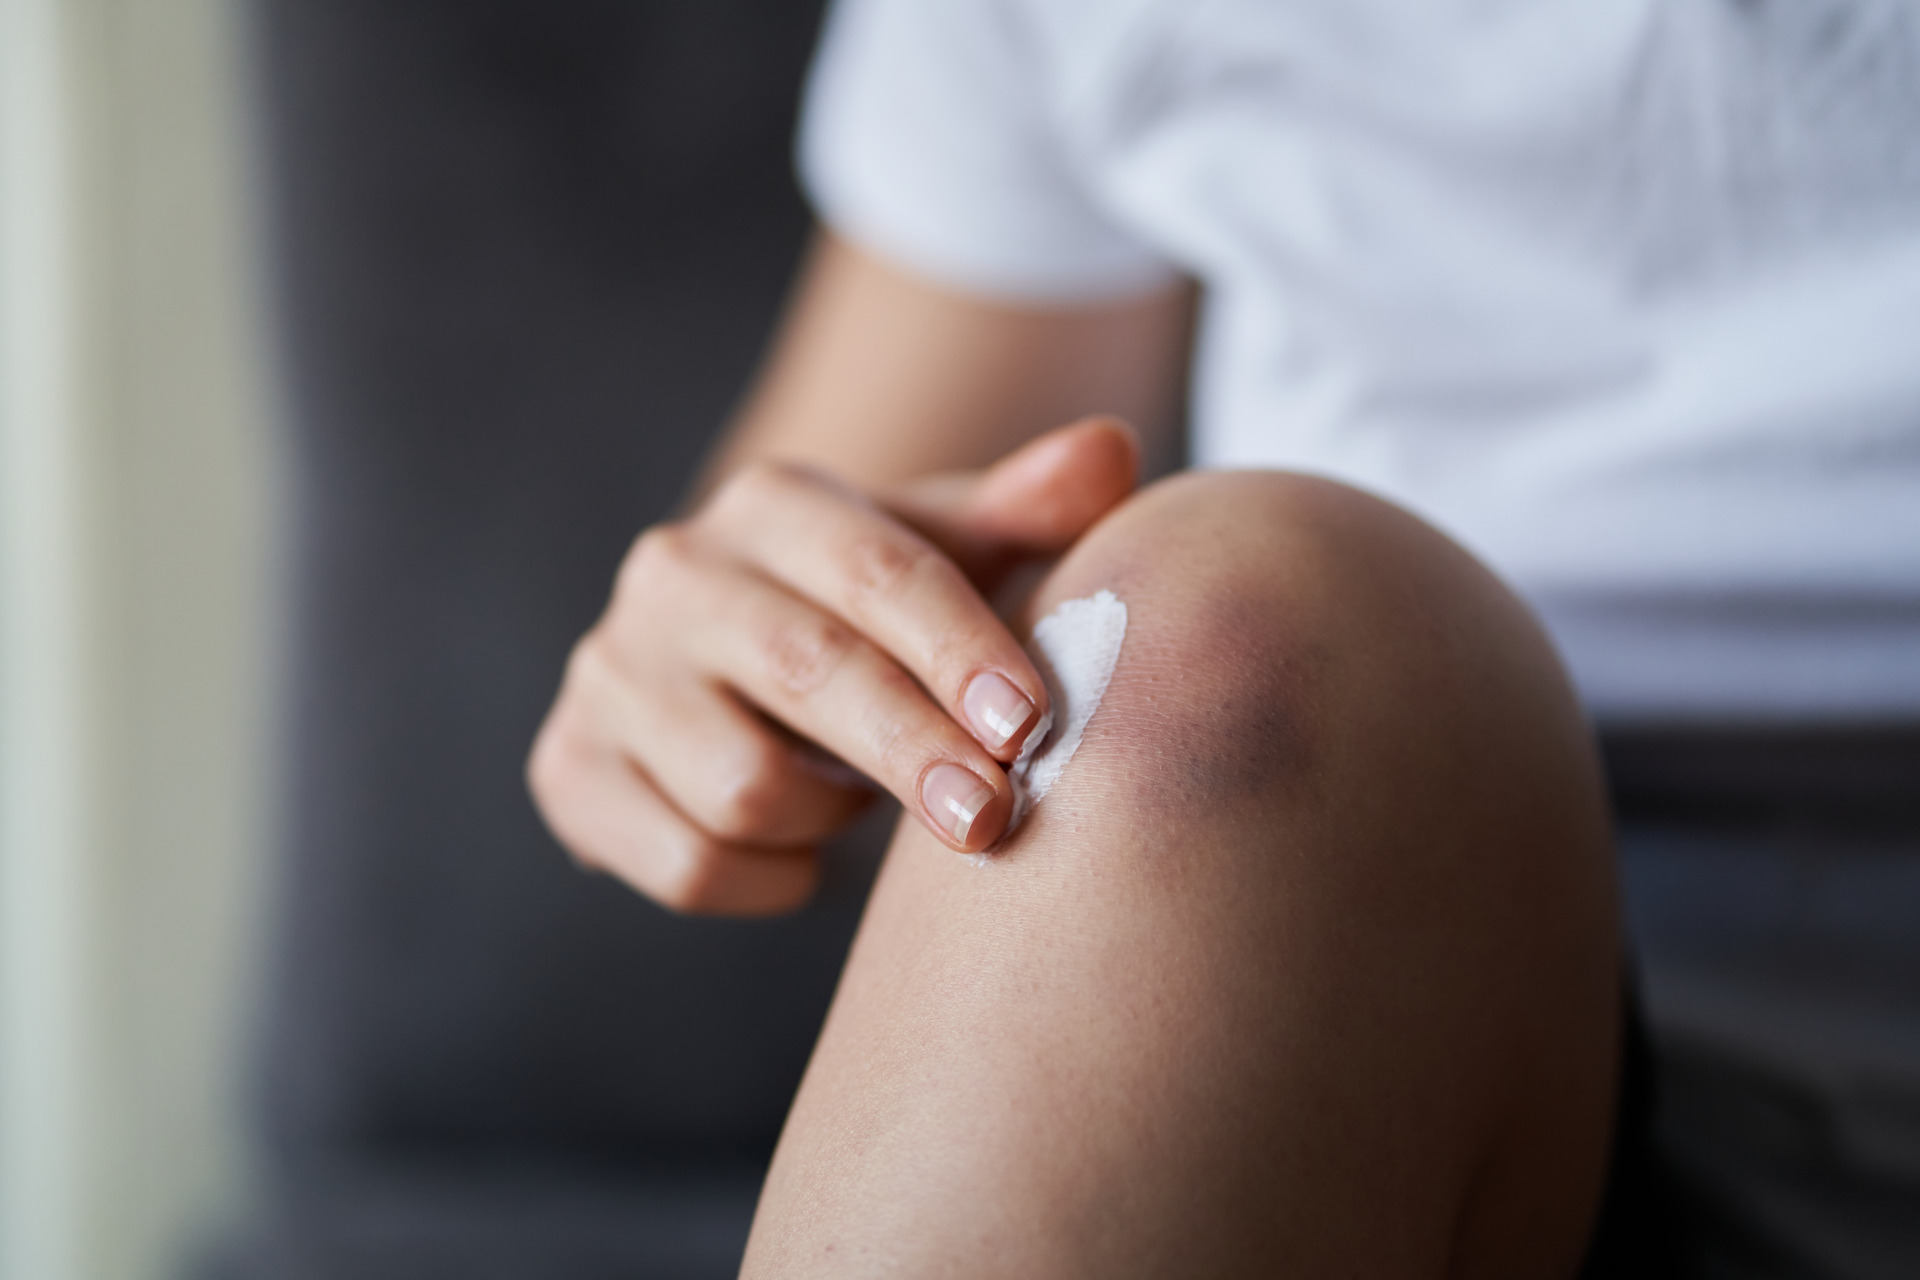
748, 793
562, 750
690, 874
747, 493
554, 774
897, 749
547, 766
584, 665
752, 486
655, 555
876, 564
800, 656
593, 682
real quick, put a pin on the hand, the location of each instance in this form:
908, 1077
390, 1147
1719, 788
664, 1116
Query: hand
791, 628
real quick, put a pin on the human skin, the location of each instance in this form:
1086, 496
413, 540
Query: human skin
830, 586
1308, 961
1306, 966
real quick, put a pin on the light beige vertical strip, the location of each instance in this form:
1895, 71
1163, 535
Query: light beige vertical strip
43, 863
185, 467
136, 554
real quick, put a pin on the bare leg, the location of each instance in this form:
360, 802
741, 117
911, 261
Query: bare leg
1307, 967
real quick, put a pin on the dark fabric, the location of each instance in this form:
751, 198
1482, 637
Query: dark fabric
1636, 1236
1771, 877
525, 254
1823, 779
1767, 1173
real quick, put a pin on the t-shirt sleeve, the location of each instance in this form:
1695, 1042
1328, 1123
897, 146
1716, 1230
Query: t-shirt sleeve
925, 138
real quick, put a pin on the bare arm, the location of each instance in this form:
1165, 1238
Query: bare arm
880, 377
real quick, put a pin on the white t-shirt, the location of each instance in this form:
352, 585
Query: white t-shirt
1623, 295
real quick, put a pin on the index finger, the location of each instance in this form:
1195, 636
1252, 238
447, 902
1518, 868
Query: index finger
894, 587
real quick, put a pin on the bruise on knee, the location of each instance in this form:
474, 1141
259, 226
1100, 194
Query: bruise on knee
1264, 611
1216, 702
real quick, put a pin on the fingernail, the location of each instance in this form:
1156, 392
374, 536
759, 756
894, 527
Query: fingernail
954, 797
996, 709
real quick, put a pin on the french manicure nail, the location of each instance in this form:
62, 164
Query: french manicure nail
954, 798
996, 709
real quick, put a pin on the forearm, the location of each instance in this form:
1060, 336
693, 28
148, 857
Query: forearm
877, 376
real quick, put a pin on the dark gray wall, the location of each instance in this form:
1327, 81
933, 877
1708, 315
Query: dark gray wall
526, 252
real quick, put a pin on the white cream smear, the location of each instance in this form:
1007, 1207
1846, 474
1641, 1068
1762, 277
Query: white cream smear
1075, 647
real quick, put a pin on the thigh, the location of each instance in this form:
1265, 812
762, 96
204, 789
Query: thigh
1309, 961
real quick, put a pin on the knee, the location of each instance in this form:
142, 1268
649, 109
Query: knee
1296, 643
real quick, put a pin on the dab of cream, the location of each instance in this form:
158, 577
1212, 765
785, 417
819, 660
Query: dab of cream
1075, 647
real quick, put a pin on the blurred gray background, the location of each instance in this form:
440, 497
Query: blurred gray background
524, 255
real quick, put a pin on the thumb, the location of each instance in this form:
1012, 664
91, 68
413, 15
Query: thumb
1036, 501
1043, 496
